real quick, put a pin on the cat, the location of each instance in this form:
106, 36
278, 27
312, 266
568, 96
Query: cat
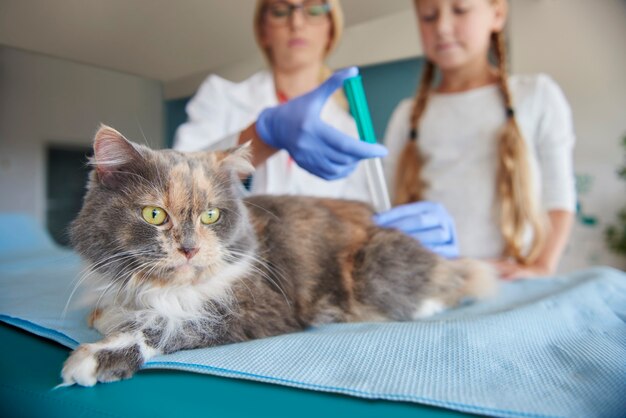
188, 263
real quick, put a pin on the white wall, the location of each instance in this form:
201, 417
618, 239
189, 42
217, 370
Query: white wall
48, 100
388, 38
582, 45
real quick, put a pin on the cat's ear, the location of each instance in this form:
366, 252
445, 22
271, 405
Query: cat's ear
112, 153
236, 159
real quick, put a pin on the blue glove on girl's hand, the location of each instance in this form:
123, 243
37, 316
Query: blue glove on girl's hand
427, 222
314, 145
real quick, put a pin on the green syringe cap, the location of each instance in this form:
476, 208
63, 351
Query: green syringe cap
355, 93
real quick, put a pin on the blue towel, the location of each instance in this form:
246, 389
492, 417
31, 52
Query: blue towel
547, 348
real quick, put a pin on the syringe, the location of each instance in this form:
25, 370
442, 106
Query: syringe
374, 169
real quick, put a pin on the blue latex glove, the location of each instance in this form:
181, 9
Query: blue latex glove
320, 149
427, 222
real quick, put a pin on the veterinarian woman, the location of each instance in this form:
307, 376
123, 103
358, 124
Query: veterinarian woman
303, 137
290, 156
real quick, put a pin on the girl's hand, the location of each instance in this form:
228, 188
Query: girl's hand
510, 270
428, 222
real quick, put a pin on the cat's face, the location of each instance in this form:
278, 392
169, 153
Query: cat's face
160, 215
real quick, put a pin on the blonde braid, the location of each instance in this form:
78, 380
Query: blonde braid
409, 185
517, 199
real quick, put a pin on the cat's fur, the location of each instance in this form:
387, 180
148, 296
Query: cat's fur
270, 265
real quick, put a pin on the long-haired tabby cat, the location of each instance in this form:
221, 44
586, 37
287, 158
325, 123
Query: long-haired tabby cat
188, 263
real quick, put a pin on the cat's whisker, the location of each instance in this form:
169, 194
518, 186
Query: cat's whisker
247, 202
122, 282
89, 267
133, 272
125, 257
103, 293
151, 270
280, 274
162, 183
116, 258
113, 284
157, 191
92, 270
145, 140
263, 273
243, 282
123, 254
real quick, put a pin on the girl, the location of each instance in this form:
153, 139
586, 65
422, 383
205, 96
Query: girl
495, 150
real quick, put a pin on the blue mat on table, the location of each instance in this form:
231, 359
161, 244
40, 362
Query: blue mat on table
546, 348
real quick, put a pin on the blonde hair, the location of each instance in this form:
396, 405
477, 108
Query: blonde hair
336, 22
518, 204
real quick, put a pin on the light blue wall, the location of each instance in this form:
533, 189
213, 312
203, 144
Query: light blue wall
175, 116
385, 85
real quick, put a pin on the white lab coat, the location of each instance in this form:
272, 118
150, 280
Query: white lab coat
221, 109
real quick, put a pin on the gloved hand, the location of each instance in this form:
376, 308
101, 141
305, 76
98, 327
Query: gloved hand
322, 150
427, 222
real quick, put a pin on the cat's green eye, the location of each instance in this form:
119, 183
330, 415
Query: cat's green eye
210, 216
154, 215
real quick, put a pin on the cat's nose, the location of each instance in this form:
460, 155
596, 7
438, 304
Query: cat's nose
189, 252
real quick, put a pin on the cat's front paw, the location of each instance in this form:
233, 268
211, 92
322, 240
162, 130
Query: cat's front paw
91, 363
80, 367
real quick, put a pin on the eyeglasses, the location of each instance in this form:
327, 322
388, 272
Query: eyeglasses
314, 11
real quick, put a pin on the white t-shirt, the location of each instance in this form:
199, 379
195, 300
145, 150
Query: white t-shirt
221, 109
458, 135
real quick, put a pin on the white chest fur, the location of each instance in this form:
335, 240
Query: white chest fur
170, 305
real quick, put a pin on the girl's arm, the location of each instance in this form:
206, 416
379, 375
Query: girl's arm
546, 264
560, 227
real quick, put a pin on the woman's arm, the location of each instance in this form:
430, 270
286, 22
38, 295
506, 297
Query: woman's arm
317, 147
260, 150
546, 264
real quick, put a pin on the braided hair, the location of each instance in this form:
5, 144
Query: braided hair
518, 206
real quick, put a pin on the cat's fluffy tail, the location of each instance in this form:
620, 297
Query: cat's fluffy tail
466, 278
480, 278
